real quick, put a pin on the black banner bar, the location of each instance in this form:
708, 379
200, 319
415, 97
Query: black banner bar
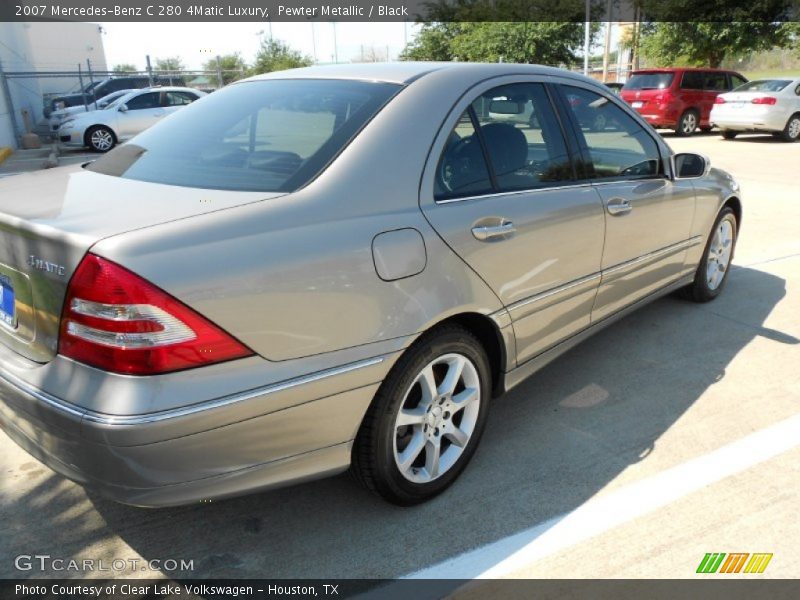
719, 11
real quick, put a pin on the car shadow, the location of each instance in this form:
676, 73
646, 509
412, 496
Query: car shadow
550, 445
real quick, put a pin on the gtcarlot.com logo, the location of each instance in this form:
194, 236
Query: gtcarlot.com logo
46, 562
734, 562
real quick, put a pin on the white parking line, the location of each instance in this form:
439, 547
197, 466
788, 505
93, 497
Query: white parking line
603, 513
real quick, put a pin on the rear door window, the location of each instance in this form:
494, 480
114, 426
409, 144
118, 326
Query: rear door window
715, 82
143, 101
692, 80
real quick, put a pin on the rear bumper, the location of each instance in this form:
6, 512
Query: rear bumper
765, 122
210, 451
659, 115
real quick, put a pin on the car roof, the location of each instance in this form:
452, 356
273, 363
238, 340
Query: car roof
406, 72
676, 69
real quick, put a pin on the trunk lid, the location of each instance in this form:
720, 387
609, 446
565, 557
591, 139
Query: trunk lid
49, 220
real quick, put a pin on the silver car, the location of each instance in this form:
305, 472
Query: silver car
331, 268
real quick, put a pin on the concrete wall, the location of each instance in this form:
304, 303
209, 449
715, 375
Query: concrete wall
44, 47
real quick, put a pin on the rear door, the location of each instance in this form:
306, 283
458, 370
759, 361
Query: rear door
500, 189
174, 100
648, 216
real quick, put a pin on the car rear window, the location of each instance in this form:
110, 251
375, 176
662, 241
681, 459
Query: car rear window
267, 136
649, 81
765, 85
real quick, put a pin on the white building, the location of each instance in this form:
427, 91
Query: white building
42, 47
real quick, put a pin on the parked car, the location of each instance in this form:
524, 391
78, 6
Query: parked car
763, 106
330, 268
99, 89
127, 116
59, 116
678, 98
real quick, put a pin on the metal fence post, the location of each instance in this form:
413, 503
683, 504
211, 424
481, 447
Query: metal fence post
83, 89
9, 104
149, 70
220, 80
91, 81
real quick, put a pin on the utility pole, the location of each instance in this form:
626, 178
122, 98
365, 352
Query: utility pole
149, 70
220, 80
91, 81
587, 38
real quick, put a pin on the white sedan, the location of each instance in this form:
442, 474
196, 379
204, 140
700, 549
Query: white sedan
129, 115
57, 117
766, 105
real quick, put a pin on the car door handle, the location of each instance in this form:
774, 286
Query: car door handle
619, 206
485, 233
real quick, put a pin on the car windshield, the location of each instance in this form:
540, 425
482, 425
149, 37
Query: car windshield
764, 85
267, 136
649, 81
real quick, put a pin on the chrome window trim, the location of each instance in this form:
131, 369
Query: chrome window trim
129, 420
512, 193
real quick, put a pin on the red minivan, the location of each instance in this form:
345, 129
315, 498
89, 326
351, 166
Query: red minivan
678, 98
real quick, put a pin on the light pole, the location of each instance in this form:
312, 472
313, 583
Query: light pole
587, 38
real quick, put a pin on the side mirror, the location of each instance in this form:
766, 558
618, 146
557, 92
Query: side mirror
687, 165
123, 108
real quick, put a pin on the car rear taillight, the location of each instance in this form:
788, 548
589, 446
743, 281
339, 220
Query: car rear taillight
719, 100
770, 100
116, 321
663, 98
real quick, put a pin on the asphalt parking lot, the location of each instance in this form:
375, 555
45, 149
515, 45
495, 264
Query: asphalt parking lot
671, 434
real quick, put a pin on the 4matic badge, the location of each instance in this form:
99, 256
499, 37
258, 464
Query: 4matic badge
42, 265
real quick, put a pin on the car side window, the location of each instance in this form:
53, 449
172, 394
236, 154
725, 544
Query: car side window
736, 81
522, 137
797, 90
462, 169
618, 146
178, 99
142, 101
692, 80
715, 82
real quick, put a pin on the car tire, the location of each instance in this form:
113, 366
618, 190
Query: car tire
729, 135
411, 458
688, 123
791, 133
712, 272
100, 138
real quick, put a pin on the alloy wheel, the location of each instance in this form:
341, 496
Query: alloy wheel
689, 123
437, 418
102, 139
794, 128
719, 254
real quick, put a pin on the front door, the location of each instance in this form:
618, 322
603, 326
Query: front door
500, 189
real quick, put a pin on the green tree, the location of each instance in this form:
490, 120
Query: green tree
232, 65
527, 42
708, 44
275, 55
124, 68
170, 63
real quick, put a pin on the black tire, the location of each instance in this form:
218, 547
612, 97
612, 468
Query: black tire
791, 133
688, 123
373, 459
699, 290
100, 138
729, 134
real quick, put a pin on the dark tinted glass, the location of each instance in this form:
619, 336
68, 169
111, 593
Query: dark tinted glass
619, 147
693, 80
462, 168
649, 81
142, 101
257, 136
715, 82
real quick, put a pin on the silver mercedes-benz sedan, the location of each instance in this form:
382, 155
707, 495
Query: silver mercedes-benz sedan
332, 268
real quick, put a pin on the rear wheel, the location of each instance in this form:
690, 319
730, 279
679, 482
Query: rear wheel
688, 122
712, 273
100, 138
426, 419
729, 135
791, 133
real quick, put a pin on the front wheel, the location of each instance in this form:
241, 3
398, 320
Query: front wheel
426, 419
712, 273
100, 139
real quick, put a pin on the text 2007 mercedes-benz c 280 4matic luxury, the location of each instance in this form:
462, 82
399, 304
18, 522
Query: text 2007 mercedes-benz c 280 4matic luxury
331, 268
